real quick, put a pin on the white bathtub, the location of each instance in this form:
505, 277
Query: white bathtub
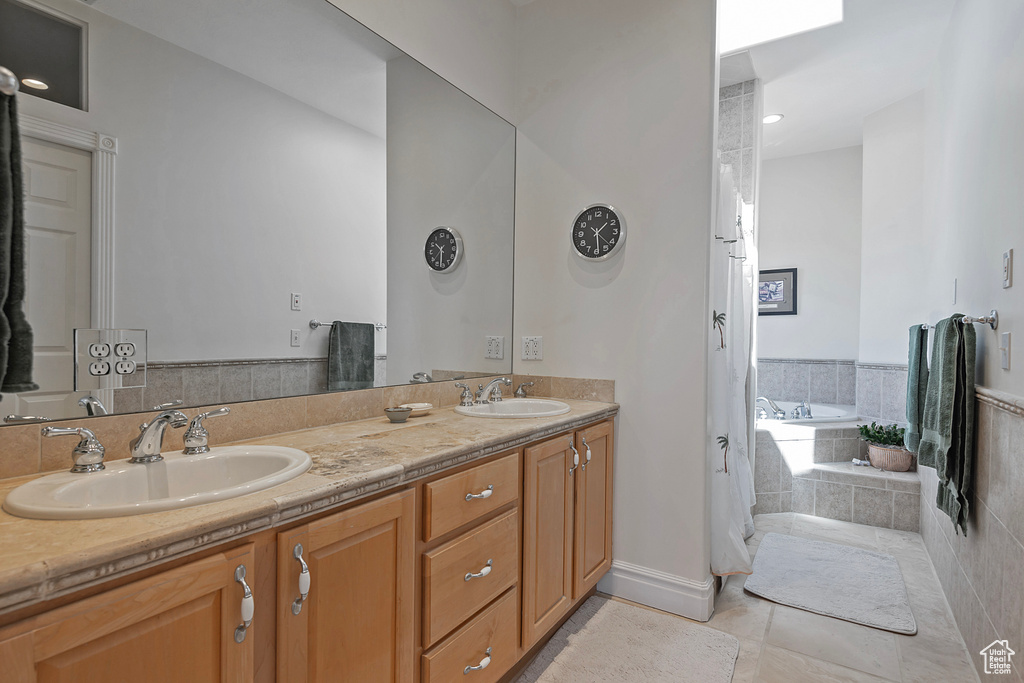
822, 412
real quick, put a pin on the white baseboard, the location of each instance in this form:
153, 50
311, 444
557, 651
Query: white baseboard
675, 594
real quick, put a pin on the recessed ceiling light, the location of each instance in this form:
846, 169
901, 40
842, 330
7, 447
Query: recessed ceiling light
773, 118
35, 83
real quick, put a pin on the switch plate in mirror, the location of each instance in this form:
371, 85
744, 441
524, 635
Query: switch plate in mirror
109, 359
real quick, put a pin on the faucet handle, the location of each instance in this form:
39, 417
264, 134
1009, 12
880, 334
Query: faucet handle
197, 439
88, 454
466, 399
18, 419
521, 391
170, 404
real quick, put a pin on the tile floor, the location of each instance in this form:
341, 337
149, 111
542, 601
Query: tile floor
780, 644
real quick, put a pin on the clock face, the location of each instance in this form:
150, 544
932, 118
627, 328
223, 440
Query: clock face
598, 232
443, 249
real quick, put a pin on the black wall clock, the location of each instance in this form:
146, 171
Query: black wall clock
598, 232
443, 250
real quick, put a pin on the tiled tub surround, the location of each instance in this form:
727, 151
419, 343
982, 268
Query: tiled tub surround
737, 131
228, 381
816, 381
45, 559
982, 574
25, 452
882, 392
807, 469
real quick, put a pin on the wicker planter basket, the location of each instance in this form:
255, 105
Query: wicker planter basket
891, 459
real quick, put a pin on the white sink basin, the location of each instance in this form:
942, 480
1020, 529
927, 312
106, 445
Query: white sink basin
177, 481
516, 407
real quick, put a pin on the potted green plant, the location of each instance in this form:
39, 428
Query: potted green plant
885, 447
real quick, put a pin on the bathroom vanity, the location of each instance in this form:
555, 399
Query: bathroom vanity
449, 548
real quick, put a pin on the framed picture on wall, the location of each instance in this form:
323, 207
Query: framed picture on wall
776, 292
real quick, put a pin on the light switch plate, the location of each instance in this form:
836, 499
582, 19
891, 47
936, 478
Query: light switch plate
1004, 350
109, 359
1008, 269
296, 301
296, 341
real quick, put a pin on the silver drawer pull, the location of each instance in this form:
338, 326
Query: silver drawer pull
484, 663
304, 580
575, 456
483, 572
248, 604
587, 446
486, 493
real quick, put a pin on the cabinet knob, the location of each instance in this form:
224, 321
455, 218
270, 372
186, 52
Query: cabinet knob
483, 572
304, 579
248, 604
484, 663
486, 493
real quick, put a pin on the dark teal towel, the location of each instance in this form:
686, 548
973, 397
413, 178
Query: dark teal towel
350, 356
917, 385
15, 332
947, 440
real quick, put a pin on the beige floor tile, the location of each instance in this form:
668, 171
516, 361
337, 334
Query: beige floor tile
746, 663
854, 646
780, 522
782, 666
833, 531
738, 613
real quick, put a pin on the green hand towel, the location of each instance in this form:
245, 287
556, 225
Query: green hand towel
917, 385
350, 356
15, 332
947, 441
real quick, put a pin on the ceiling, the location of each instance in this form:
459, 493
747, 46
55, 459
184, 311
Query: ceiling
826, 81
309, 50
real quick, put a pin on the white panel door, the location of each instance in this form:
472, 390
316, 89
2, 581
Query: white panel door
58, 220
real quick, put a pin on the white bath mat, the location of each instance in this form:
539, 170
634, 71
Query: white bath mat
838, 581
607, 641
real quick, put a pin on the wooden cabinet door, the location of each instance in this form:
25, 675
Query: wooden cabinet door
175, 626
547, 535
357, 622
593, 532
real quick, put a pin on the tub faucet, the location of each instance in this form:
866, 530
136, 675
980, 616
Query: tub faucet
147, 445
778, 412
492, 392
803, 411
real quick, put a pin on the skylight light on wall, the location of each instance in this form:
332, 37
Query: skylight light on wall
744, 23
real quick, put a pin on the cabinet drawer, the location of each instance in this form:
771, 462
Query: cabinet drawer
448, 597
495, 628
446, 504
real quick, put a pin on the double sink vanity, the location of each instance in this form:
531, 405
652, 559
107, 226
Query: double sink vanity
443, 548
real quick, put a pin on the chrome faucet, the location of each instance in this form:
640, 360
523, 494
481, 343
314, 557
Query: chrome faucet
803, 411
466, 399
778, 412
88, 454
521, 391
147, 445
92, 405
492, 392
197, 439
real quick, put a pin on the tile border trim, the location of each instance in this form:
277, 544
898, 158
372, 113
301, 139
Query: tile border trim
807, 361
1000, 399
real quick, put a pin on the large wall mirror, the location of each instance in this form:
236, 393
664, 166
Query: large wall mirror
259, 149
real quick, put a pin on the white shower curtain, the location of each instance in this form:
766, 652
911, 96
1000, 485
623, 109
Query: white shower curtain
733, 268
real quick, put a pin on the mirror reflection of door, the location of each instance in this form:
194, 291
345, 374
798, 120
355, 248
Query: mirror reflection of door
58, 226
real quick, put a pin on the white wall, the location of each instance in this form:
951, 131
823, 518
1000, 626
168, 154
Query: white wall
973, 203
229, 196
810, 219
469, 42
895, 244
450, 162
616, 103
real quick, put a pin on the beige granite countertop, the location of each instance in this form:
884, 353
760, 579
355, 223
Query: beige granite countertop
43, 559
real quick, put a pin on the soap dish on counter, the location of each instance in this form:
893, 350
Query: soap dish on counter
418, 409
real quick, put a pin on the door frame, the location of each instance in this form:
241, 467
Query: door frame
104, 152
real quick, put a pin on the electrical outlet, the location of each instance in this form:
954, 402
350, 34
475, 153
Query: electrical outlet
533, 348
99, 351
1004, 350
295, 338
99, 368
124, 367
495, 348
296, 304
1008, 269
125, 350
